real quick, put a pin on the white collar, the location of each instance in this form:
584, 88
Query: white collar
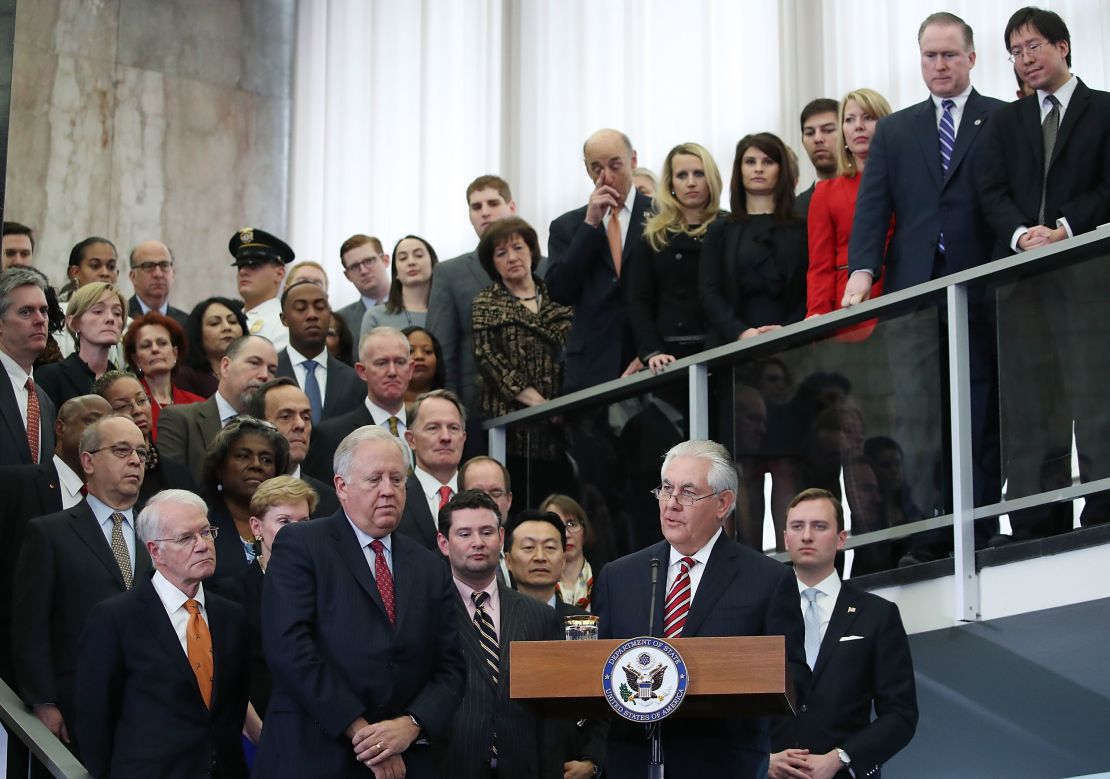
959, 100
67, 476
1063, 94
365, 539
702, 555
296, 358
15, 370
173, 598
430, 484
102, 511
829, 586
227, 411
379, 414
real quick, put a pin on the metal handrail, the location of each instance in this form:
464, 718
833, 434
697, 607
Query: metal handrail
43, 744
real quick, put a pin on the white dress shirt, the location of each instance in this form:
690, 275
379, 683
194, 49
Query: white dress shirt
430, 485
301, 373
69, 485
18, 377
829, 587
265, 320
162, 309
364, 541
103, 513
701, 556
625, 216
173, 600
227, 411
960, 101
381, 417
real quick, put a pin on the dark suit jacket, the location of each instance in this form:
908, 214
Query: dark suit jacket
524, 741
328, 503
417, 521
65, 567
345, 391
168, 474
139, 712
848, 678
351, 315
13, 433
184, 433
335, 657
582, 274
326, 438
67, 379
231, 560
904, 179
246, 590
741, 593
135, 310
582, 739
1078, 178
458, 280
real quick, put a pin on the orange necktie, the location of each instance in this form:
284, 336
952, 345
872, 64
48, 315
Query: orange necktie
613, 231
198, 643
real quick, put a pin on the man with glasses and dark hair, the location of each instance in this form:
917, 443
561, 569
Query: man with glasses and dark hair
366, 265
152, 276
1047, 179
708, 585
72, 560
141, 709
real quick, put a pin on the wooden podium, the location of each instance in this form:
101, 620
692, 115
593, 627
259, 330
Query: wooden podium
728, 677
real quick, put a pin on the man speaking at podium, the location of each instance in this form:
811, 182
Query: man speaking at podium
706, 584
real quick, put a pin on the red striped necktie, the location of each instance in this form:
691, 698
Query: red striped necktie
677, 605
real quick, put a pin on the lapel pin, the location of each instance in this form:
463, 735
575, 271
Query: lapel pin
978, 122
851, 609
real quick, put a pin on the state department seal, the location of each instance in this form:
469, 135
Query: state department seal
644, 679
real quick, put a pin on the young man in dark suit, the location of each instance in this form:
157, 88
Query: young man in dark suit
857, 648
163, 669
923, 171
152, 275
733, 591
360, 631
1047, 179
333, 388
488, 725
366, 265
585, 273
72, 560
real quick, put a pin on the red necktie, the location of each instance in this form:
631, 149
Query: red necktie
445, 495
613, 231
384, 579
33, 419
677, 604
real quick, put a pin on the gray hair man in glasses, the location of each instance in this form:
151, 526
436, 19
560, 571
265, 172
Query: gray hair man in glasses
70, 561
707, 584
151, 275
138, 703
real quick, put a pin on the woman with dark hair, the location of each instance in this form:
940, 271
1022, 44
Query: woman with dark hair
95, 316
414, 262
428, 369
244, 454
153, 346
340, 342
212, 325
753, 275
129, 398
663, 305
93, 259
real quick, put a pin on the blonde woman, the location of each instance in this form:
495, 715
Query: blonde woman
663, 305
834, 203
95, 316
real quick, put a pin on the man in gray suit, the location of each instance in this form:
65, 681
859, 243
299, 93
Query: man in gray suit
366, 265
489, 726
184, 432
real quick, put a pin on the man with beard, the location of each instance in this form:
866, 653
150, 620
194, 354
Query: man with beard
819, 139
184, 432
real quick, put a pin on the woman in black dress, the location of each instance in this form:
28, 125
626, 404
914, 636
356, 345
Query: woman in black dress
753, 274
95, 316
212, 325
663, 306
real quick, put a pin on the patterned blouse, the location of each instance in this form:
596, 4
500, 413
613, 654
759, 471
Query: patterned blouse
516, 349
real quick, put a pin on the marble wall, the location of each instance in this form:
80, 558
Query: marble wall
139, 119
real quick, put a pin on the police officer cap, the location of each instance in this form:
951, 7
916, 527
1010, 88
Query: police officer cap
250, 246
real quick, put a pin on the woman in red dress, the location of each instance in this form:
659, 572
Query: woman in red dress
153, 346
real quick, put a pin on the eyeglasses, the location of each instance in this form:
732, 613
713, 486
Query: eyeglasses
361, 265
142, 401
1031, 49
496, 494
666, 492
572, 525
123, 451
192, 539
150, 267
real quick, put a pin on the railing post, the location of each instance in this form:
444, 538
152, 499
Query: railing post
963, 500
699, 401
497, 444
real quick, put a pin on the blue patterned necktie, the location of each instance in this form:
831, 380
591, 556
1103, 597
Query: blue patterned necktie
312, 389
813, 625
947, 135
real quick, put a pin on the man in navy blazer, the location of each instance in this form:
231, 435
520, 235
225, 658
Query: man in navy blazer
582, 272
932, 194
735, 591
860, 659
359, 630
143, 707
1051, 327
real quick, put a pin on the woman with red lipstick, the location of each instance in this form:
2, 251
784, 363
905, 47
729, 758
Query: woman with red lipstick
834, 205
244, 454
414, 262
663, 305
152, 347
428, 370
753, 268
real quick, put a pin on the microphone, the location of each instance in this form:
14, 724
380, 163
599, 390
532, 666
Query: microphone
654, 582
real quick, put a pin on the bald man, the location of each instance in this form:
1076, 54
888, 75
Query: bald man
589, 250
152, 277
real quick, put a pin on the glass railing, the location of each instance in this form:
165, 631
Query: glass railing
962, 414
27, 734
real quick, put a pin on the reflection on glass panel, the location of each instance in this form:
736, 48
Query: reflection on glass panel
609, 461
862, 414
1053, 371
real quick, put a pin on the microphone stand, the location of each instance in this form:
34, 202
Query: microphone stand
655, 767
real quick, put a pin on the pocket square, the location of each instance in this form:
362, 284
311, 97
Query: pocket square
850, 638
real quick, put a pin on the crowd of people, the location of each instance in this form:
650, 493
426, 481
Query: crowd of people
153, 457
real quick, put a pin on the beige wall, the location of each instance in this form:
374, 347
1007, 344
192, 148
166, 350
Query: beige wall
138, 119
